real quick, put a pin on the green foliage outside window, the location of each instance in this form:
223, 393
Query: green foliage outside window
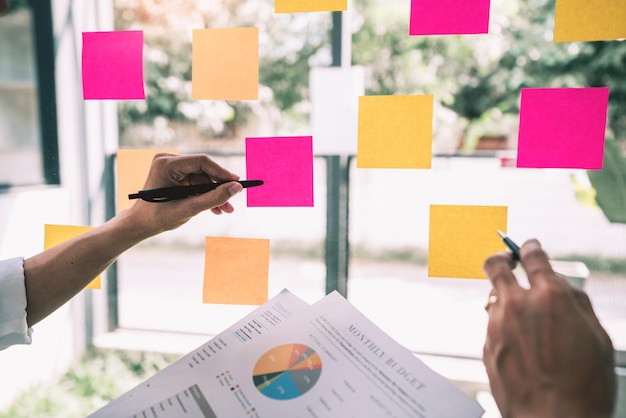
478, 78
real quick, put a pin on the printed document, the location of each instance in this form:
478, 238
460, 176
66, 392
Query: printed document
319, 361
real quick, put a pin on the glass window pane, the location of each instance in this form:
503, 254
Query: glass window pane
474, 142
20, 142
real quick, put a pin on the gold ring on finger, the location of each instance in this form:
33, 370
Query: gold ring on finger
491, 301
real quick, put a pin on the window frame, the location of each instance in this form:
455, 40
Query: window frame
45, 52
45, 84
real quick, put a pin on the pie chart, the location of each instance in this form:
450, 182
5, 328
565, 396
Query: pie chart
287, 371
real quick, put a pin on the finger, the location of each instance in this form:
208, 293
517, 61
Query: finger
227, 208
498, 270
181, 167
495, 381
216, 200
583, 301
491, 300
535, 262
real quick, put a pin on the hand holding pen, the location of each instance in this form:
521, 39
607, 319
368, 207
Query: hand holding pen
513, 247
51, 279
546, 353
167, 194
169, 171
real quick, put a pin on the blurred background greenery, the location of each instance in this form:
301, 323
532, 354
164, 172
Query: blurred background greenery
478, 77
476, 80
100, 377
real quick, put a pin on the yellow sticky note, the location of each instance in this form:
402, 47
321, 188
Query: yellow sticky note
296, 6
133, 166
225, 64
395, 131
589, 20
236, 271
57, 234
462, 237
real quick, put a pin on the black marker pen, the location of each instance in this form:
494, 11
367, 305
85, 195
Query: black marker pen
510, 245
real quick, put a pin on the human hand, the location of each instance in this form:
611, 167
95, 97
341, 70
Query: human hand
173, 170
545, 353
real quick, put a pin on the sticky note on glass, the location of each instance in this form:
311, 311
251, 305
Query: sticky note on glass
225, 64
462, 237
562, 127
57, 234
449, 17
589, 20
236, 271
285, 164
133, 166
296, 6
395, 131
112, 64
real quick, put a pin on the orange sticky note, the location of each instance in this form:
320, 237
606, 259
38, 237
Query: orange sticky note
296, 6
395, 131
589, 20
236, 271
133, 166
225, 64
57, 234
462, 237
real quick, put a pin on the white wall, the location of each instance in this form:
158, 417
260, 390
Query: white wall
87, 132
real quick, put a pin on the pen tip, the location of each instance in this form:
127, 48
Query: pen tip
502, 235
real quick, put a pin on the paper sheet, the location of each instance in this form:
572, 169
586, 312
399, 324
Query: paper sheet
225, 64
133, 166
285, 164
562, 127
296, 6
56, 234
335, 93
395, 131
462, 237
328, 360
449, 17
262, 320
112, 65
236, 271
589, 20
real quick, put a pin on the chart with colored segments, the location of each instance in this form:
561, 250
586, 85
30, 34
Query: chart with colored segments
287, 371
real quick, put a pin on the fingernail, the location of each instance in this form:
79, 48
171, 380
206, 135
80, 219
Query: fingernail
235, 188
532, 244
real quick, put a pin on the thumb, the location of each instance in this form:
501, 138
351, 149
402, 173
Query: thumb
233, 188
211, 200
225, 192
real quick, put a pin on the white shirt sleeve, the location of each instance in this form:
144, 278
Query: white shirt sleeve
13, 326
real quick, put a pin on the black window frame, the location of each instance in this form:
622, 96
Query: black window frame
45, 83
45, 55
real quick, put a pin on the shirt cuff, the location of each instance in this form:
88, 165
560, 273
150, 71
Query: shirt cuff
13, 326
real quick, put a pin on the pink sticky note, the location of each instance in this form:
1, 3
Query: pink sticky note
449, 17
113, 65
562, 127
285, 164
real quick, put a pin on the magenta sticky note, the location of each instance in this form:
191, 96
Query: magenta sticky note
449, 17
562, 127
113, 65
285, 164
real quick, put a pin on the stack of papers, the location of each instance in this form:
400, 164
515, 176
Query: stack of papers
291, 359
